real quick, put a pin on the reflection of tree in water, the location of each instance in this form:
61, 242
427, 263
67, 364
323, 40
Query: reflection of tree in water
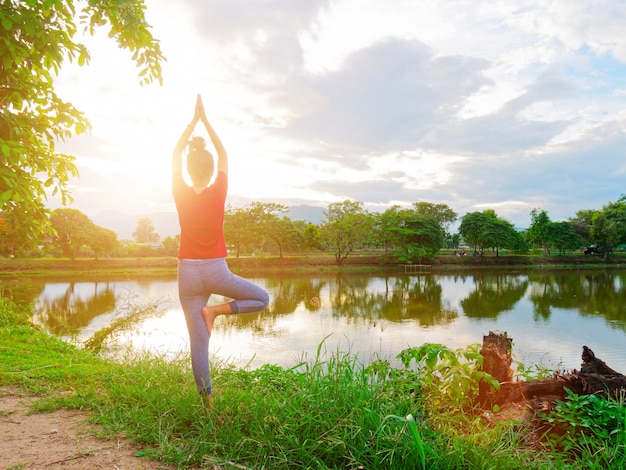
494, 294
286, 295
353, 298
404, 297
22, 291
350, 298
598, 293
290, 293
69, 312
418, 298
554, 290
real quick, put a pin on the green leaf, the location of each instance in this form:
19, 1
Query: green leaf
29, 27
432, 357
7, 23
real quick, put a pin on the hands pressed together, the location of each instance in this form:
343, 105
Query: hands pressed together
199, 114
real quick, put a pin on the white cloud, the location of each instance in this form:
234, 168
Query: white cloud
508, 105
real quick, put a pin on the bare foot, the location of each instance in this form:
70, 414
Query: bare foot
208, 401
209, 314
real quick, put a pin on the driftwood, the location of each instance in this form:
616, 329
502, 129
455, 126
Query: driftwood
594, 377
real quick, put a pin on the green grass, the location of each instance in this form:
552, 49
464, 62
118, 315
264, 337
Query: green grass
326, 412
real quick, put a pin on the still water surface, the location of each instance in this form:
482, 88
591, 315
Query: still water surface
550, 316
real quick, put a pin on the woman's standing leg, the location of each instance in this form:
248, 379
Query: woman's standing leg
192, 298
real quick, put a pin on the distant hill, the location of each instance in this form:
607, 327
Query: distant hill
313, 214
166, 223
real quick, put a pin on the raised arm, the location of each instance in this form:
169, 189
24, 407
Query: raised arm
222, 157
177, 155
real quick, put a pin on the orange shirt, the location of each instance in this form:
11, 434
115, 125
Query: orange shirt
201, 218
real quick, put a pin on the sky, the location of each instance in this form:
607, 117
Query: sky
501, 104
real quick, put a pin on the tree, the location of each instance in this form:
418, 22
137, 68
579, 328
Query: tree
609, 225
281, 231
547, 234
15, 229
236, 232
7, 243
310, 235
169, 246
582, 223
248, 227
37, 38
440, 212
72, 230
145, 231
412, 236
563, 237
538, 233
262, 217
486, 230
347, 226
384, 232
472, 228
101, 240
500, 233
452, 240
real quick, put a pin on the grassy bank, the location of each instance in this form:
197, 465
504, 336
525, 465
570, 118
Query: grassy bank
163, 266
166, 266
326, 412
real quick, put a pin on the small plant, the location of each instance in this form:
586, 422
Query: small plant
535, 371
587, 421
449, 377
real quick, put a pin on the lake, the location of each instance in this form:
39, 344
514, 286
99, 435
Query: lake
549, 315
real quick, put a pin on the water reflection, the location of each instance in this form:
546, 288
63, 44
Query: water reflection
73, 307
601, 294
494, 294
414, 298
550, 315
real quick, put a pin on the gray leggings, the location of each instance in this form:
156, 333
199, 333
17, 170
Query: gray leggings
198, 279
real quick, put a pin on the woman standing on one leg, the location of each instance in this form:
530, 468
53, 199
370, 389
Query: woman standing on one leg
202, 268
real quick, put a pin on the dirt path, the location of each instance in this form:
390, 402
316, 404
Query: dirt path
62, 439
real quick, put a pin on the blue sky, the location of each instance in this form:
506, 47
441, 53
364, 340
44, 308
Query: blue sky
504, 105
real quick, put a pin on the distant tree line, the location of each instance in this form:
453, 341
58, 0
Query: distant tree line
399, 234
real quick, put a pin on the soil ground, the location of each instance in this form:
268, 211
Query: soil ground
62, 439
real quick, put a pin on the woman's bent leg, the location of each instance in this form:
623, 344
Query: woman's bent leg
247, 296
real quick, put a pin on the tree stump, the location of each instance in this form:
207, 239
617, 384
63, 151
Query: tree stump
595, 377
496, 353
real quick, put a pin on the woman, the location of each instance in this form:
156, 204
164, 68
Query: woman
202, 268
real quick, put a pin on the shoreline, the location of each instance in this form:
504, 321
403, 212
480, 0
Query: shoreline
317, 264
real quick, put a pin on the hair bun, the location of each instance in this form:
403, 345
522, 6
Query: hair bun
197, 143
